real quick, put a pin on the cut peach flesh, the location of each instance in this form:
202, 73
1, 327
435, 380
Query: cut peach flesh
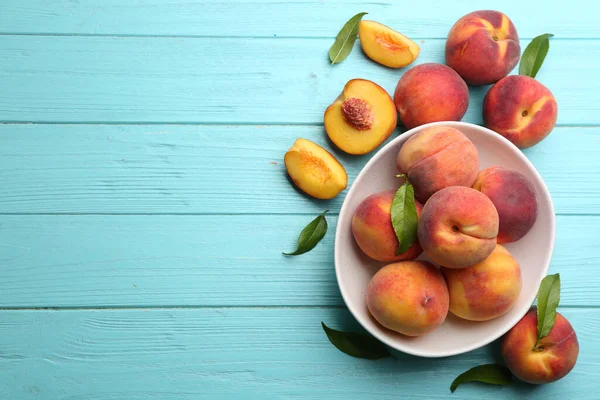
361, 141
314, 170
386, 46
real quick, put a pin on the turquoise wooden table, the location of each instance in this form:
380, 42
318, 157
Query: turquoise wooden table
144, 202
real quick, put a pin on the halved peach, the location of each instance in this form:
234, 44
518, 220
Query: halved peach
386, 46
315, 170
361, 118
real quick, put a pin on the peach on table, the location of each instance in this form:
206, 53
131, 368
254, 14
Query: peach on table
554, 357
483, 47
521, 109
386, 46
430, 93
315, 170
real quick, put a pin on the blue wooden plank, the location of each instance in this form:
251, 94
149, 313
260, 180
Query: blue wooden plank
217, 169
239, 354
229, 80
299, 18
218, 260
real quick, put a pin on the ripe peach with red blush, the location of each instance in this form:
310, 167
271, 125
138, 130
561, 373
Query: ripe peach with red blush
409, 297
373, 231
514, 198
438, 157
429, 93
483, 47
521, 109
485, 290
554, 356
458, 227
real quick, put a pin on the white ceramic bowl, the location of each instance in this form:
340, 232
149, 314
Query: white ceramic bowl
533, 252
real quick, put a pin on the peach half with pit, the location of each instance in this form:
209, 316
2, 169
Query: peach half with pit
361, 118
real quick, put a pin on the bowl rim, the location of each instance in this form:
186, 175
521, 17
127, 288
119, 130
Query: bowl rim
343, 214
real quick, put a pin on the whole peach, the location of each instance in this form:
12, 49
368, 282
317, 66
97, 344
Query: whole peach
438, 157
553, 358
458, 227
486, 290
373, 231
409, 297
430, 92
483, 47
521, 109
514, 198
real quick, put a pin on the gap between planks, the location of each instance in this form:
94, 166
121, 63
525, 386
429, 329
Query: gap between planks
229, 123
234, 307
224, 214
192, 36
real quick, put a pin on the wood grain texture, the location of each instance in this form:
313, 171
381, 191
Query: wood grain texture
218, 260
264, 354
298, 18
129, 197
217, 169
229, 80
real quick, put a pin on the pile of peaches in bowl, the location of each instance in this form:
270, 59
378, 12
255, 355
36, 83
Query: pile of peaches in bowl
485, 221
485, 236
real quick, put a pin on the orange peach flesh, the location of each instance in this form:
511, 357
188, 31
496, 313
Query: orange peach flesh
409, 297
554, 358
486, 290
386, 46
483, 47
373, 231
361, 118
314, 170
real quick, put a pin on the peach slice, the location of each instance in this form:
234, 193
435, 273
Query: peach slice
361, 118
386, 46
315, 170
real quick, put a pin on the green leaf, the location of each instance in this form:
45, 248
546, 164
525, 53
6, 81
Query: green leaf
534, 55
494, 374
344, 41
547, 302
404, 217
356, 344
311, 235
